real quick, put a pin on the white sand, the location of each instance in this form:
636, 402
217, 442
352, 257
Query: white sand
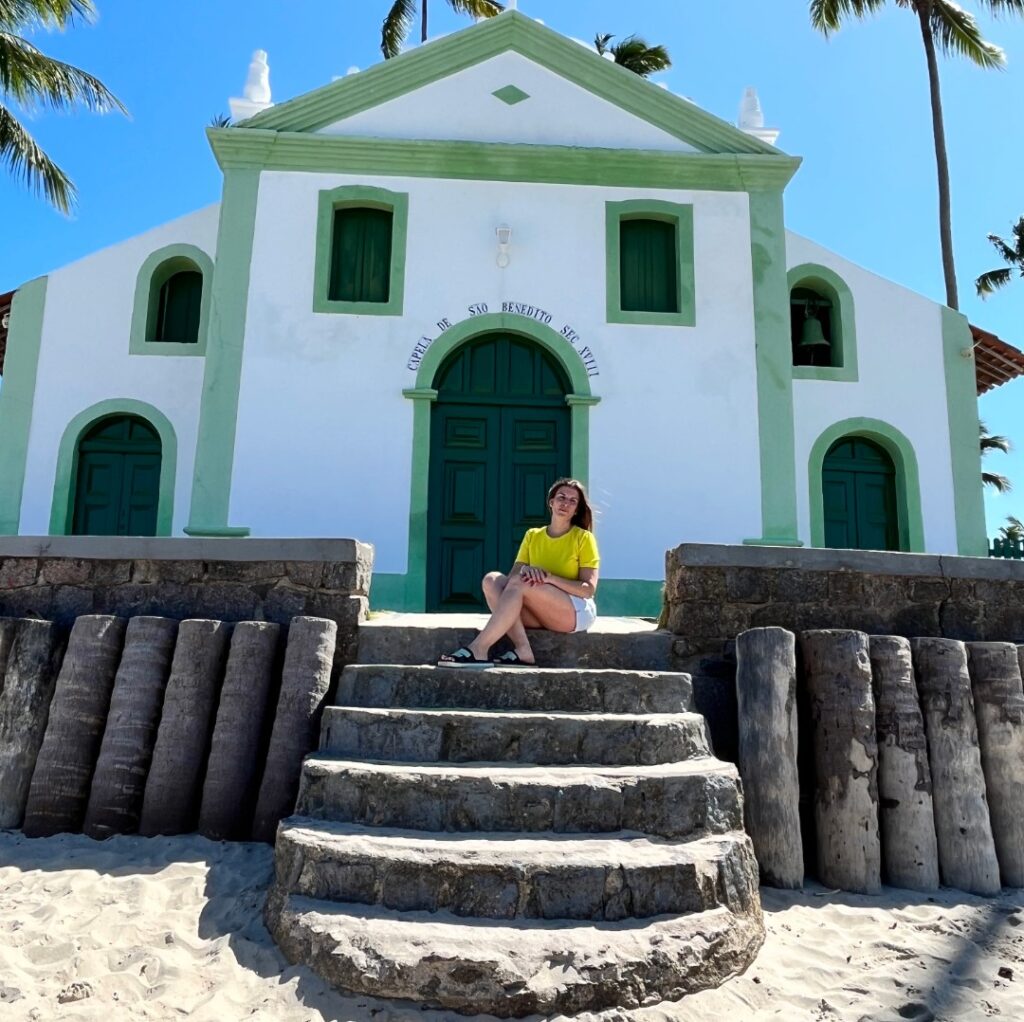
171, 929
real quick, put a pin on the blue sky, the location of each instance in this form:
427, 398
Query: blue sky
855, 107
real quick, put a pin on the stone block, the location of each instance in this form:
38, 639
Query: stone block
223, 601
18, 572
111, 572
29, 601
929, 590
794, 586
168, 571
962, 620
245, 571
845, 588
284, 602
748, 585
65, 571
304, 573
71, 601
342, 576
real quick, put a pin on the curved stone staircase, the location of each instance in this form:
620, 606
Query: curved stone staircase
515, 841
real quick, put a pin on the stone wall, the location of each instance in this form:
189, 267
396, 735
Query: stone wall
64, 577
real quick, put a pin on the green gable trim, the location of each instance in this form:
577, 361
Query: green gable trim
17, 396
153, 274
908, 484
514, 32
652, 209
222, 379
774, 360
375, 198
511, 94
65, 480
844, 325
499, 161
965, 454
423, 395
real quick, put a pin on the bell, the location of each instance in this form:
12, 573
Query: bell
813, 336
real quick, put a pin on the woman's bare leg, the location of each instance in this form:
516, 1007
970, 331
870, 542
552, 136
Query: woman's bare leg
494, 585
551, 608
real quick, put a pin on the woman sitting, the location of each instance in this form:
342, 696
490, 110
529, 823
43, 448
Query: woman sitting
551, 585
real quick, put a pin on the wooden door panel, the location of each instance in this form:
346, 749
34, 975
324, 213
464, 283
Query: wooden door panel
463, 565
874, 512
839, 510
140, 495
98, 495
465, 494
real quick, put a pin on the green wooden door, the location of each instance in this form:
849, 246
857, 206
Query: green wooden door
117, 488
500, 436
859, 489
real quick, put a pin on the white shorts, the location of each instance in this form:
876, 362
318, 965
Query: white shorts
586, 612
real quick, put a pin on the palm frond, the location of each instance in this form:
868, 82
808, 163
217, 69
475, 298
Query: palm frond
27, 161
1006, 253
990, 282
998, 483
396, 27
956, 31
635, 55
1000, 7
601, 41
1018, 235
477, 8
827, 15
33, 79
992, 441
19, 14
220, 121
1013, 529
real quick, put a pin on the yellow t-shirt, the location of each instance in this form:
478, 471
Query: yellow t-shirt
563, 556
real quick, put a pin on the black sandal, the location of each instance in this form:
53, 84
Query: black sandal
513, 659
462, 657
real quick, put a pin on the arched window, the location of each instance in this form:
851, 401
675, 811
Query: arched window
823, 330
172, 299
177, 311
811, 328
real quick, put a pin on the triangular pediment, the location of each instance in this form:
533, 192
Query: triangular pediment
509, 79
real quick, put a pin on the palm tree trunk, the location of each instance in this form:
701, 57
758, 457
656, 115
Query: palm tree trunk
941, 158
119, 783
423, 23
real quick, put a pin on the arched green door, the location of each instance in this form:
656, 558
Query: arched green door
859, 489
117, 484
499, 437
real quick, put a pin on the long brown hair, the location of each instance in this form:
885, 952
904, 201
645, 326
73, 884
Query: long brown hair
584, 517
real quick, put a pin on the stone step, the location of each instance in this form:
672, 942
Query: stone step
504, 876
464, 736
673, 800
513, 968
515, 688
629, 643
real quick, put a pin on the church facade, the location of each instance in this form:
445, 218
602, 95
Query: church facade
431, 287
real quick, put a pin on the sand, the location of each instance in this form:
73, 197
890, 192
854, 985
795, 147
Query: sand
136, 928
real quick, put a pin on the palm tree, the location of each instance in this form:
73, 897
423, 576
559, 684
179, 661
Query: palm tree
948, 27
634, 54
1012, 255
399, 21
989, 442
31, 80
1013, 530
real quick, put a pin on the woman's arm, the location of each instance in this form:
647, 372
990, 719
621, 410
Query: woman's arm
584, 587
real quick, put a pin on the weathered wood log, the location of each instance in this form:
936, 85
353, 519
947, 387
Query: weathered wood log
7, 629
233, 770
32, 662
59, 790
963, 832
910, 855
766, 697
174, 786
999, 709
305, 679
119, 782
838, 676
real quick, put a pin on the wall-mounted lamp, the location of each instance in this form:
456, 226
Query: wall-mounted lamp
504, 233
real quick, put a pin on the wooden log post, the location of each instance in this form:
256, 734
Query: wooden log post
7, 629
233, 773
999, 709
910, 855
967, 853
838, 675
766, 697
174, 785
32, 662
119, 783
59, 790
305, 679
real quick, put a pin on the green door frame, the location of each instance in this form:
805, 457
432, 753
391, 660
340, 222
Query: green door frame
423, 395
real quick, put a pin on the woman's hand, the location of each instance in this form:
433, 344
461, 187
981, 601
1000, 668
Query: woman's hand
533, 576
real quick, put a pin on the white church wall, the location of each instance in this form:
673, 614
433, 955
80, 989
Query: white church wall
321, 411
901, 381
84, 359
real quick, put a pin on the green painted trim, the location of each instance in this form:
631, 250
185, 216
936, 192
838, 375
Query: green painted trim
908, 482
228, 532
376, 198
965, 454
66, 476
499, 161
510, 94
17, 396
153, 274
390, 592
774, 358
517, 32
651, 209
423, 395
222, 379
844, 326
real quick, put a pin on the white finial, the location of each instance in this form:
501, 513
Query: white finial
512, 5
256, 93
752, 118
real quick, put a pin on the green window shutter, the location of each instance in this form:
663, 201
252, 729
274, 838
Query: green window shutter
361, 255
649, 273
178, 308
